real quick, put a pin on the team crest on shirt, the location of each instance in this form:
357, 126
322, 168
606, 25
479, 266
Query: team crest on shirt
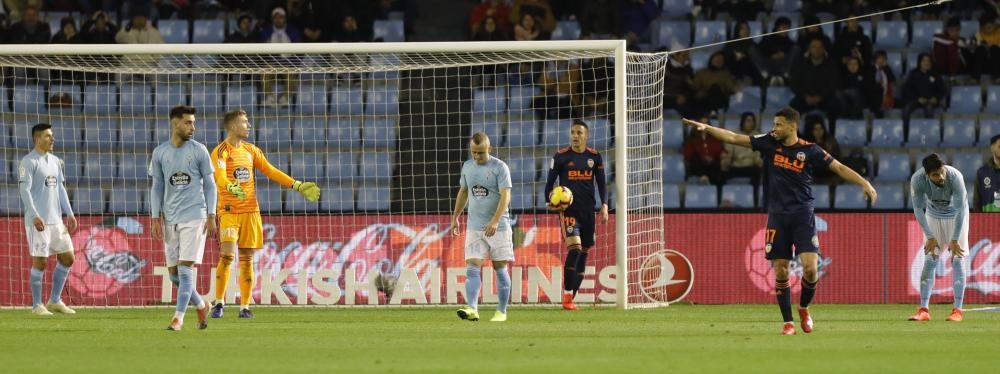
22, 172
221, 163
767, 248
590, 163
180, 180
242, 174
50, 181
480, 192
986, 181
801, 156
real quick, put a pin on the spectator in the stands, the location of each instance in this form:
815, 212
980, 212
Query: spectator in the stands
139, 31
852, 42
597, 82
350, 32
987, 47
858, 90
775, 53
738, 55
540, 10
279, 31
244, 32
703, 156
67, 33
637, 15
923, 90
713, 85
313, 33
30, 30
949, 47
600, 19
559, 81
884, 79
677, 91
527, 29
498, 10
99, 29
744, 10
489, 31
816, 132
814, 81
810, 33
743, 162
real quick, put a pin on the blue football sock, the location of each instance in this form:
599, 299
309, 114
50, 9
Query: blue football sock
503, 288
473, 278
36, 286
958, 280
195, 298
184, 289
58, 282
927, 280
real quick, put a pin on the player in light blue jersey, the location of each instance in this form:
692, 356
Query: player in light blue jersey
488, 235
43, 194
938, 194
183, 196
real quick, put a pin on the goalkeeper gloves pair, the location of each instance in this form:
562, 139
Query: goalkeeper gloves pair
309, 190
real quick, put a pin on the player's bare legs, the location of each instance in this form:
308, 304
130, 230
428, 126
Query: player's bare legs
810, 276
783, 292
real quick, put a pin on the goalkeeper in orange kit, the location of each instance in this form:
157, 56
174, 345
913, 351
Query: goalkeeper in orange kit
239, 214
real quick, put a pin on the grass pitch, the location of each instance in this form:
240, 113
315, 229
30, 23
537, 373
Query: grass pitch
681, 338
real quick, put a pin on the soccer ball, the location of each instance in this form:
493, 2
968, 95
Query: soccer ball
561, 197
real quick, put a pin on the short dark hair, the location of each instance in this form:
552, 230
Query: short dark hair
39, 128
782, 21
994, 139
479, 137
932, 162
232, 116
789, 114
579, 122
180, 110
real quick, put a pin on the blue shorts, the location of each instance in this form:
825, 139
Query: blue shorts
787, 229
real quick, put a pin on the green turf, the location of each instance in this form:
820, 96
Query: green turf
681, 338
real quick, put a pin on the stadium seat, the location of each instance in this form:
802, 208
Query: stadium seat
167, 96
88, 201
852, 133
7, 173
241, 96
700, 57
209, 31
522, 134
343, 133
896, 62
269, 196
777, 98
673, 168
924, 133
347, 100
337, 198
100, 99
677, 8
342, 168
374, 198
207, 97
849, 196
522, 198
386, 65
128, 201
707, 32
389, 31
307, 166
968, 163
738, 195
787, 6
700, 197
376, 167
489, 101
382, 100
966, 99
133, 167
890, 196
821, 196
101, 135
993, 99
600, 134
747, 100
273, 133
566, 30
555, 133
912, 63
73, 90
673, 134
312, 99
671, 196
887, 133
174, 30
893, 167
492, 129
99, 168
959, 132
923, 34
10, 201
987, 129
522, 96
379, 133
309, 133
136, 99
672, 33
523, 168
21, 136
891, 35
68, 133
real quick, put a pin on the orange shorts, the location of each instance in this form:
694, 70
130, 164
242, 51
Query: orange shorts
245, 229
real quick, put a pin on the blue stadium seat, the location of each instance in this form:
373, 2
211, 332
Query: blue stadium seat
673, 168
673, 134
676, 8
890, 196
522, 96
993, 99
671, 196
309, 133
739, 195
347, 100
387, 65
700, 57
896, 63
966, 99
128, 201
101, 134
100, 98
566, 30
923, 34
600, 134
269, 196
523, 168
174, 30
88, 201
987, 129
821, 196
747, 100
99, 168
7, 173
136, 98
376, 167
167, 96
787, 6
887, 133
342, 168
707, 32
777, 98
337, 198
68, 133
374, 198
379, 133
241, 96
924, 133
21, 136
273, 133
382, 100
133, 167
522, 134
522, 198
492, 129
29, 99
891, 34
700, 197
489, 101
849, 196
893, 167
209, 31
671, 33
4, 103
207, 97
555, 133
74, 91
10, 200
968, 163
389, 30
852, 133
343, 133
959, 132
312, 99
307, 166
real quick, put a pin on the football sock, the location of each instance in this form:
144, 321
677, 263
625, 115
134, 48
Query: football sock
473, 277
808, 291
580, 268
246, 279
222, 275
195, 298
58, 282
958, 280
784, 295
569, 269
36, 286
184, 290
927, 280
503, 288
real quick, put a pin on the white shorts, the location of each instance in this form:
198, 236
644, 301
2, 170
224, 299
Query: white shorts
942, 230
184, 242
52, 241
499, 247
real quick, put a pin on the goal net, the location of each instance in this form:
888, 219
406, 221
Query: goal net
383, 129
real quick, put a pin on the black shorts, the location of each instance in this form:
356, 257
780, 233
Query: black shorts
787, 229
579, 223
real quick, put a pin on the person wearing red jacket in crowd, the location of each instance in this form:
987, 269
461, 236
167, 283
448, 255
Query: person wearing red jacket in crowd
703, 156
948, 49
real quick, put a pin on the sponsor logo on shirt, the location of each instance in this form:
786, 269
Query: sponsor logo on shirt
242, 174
180, 180
50, 181
580, 175
480, 192
784, 162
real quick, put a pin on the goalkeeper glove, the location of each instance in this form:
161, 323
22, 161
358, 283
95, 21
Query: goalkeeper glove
309, 190
235, 189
